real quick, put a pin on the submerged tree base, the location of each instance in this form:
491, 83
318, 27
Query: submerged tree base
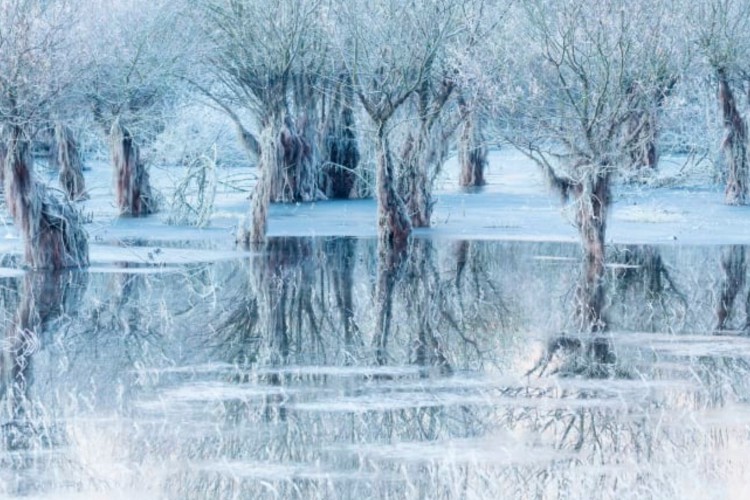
52, 229
132, 184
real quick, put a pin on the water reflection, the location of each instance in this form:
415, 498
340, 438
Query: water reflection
314, 369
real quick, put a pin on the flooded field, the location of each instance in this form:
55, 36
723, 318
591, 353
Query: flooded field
285, 374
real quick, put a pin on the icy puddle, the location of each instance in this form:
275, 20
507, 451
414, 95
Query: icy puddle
284, 374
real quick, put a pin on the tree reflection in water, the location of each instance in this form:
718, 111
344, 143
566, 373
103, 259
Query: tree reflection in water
271, 376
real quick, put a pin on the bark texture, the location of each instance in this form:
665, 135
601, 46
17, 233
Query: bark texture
424, 153
592, 198
394, 226
52, 229
132, 184
69, 162
734, 144
472, 152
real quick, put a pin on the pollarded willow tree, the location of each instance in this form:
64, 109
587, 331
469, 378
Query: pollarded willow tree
66, 156
392, 50
37, 61
722, 29
587, 71
477, 55
263, 59
132, 86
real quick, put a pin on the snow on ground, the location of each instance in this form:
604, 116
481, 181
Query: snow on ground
516, 204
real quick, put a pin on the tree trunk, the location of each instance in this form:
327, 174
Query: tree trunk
52, 230
472, 154
423, 155
643, 151
291, 159
132, 185
642, 128
418, 157
253, 231
394, 226
340, 147
309, 129
734, 145
68, 160
592, 199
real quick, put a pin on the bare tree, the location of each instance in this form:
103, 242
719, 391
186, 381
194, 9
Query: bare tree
131, 85
721, 28
588, 72
391, 61
261, 57
34, 78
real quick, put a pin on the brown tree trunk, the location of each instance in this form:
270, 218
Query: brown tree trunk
592, 199
394, 226
734, 145
69, 162
472, 153
132, 185
52, 230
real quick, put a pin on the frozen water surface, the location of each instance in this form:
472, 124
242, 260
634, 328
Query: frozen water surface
178, 366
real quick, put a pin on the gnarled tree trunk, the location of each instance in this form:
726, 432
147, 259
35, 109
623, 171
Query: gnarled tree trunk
52, 230
472, 152
69, 162
394, 226
253, 231
132, 185
734, 145
592, 198
419, 158
423, 154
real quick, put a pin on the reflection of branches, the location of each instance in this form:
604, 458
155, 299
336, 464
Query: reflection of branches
734, 270
390, 268
641, 270
45, 298
591, 355
340, 262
